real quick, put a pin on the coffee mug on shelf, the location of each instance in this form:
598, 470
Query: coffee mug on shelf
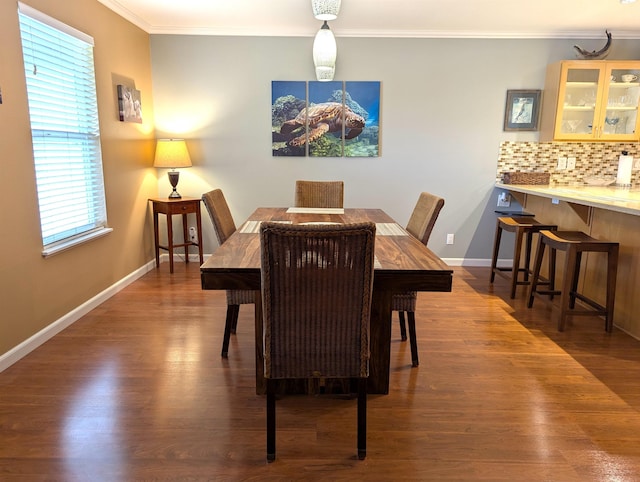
628, 77
612, 78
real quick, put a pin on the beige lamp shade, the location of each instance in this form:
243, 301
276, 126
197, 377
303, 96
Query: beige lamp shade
172, 153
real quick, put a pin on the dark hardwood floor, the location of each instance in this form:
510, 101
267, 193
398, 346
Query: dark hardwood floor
136, 390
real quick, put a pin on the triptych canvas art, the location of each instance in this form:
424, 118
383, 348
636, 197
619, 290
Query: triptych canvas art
325, 119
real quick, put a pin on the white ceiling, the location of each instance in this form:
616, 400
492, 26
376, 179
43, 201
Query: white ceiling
388, 18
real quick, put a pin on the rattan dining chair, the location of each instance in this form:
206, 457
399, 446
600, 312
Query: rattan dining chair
224, 227
420, 225
317, 283
319, 194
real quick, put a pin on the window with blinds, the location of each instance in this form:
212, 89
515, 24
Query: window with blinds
63, 110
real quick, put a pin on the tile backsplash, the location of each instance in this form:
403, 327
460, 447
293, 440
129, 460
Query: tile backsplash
593, 159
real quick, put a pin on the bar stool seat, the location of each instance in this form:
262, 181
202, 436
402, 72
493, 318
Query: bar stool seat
522, 226
574, 243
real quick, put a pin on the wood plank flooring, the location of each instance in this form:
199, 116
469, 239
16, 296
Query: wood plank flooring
136, 390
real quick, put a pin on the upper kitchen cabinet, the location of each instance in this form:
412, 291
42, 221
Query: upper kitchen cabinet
591, 100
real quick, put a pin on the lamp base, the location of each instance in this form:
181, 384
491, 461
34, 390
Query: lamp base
174, 176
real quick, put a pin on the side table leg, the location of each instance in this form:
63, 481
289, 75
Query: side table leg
185, 237
156, 237
199, 227
170, 241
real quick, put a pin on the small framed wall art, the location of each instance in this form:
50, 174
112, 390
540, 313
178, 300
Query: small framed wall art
522, 111
129, 105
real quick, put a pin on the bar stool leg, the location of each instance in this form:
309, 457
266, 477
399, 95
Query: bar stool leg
552, 271
527, 256
574, 280
516, 261
612, 273
565, 297
496, 248
536, 271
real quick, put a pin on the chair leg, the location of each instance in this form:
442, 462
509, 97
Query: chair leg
271, 420
362, 419
234, 324
403, 328
232, 314
412, 338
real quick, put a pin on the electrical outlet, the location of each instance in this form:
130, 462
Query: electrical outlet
504, 200
193, 235
571, 163
450, 237
562, 163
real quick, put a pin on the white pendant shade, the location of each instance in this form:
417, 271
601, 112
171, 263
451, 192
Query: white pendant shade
325, 9
325, 52
325, 74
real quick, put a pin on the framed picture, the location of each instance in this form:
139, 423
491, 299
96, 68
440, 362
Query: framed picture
129, 105
523, 110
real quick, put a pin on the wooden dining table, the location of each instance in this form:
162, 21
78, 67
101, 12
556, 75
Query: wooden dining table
402, 263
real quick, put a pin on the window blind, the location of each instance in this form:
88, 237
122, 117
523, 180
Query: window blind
63, 109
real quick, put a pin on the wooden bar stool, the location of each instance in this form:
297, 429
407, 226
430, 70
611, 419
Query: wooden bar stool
522, 226
574, 243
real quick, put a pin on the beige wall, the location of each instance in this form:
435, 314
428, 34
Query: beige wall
35, 292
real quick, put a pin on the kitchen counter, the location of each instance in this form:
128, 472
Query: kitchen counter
624, 200
605, 213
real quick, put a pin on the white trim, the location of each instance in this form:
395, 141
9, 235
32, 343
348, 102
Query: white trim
63, 245
467, 262
299, 31
127, 14
477, 262
266, 31
52, 22
23, 349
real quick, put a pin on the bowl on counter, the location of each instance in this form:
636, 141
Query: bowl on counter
599, 181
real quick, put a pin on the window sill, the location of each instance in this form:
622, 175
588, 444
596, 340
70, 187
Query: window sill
63, 245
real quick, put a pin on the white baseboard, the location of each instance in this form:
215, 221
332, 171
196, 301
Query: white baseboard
9, 358
477, 262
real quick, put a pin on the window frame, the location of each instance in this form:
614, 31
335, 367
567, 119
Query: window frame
66, 146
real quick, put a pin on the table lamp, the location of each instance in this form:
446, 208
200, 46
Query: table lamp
172, 153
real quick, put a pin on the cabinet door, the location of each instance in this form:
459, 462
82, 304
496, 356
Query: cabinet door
619, 114
581, 89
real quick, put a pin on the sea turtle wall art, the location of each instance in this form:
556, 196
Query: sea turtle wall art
325, 119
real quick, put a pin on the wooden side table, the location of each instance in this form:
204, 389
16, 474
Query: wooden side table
169, 207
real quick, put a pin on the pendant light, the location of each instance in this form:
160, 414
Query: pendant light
325, 9
325, 52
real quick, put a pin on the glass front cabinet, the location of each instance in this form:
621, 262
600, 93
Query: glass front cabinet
591, 101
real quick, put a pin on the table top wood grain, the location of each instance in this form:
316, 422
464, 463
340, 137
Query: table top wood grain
402, 261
